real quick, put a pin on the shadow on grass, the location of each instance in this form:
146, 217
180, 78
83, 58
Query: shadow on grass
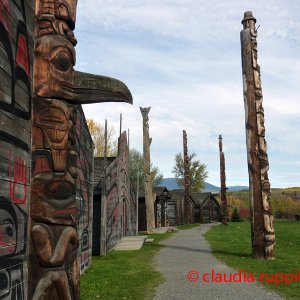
187, 249
231, 253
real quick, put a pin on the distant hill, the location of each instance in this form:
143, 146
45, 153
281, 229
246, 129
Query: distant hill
171, 184
237, 188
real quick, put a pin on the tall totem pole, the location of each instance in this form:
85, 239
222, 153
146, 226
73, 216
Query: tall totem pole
262, 230
187, 185
223, 183
148, 175
56, 162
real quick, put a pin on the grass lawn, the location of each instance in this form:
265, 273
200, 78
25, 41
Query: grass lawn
232, 245
123, 274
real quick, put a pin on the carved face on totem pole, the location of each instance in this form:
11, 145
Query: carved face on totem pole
54, 80
56, 156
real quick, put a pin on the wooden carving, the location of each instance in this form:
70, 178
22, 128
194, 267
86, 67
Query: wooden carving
148, 175
187, 185
263, 235
223, 183
61, 164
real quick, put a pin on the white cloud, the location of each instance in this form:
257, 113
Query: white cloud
182, 58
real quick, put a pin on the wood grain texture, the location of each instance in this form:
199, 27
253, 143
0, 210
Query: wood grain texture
148, 175
223, 183
263, 234
16, 48
188, 205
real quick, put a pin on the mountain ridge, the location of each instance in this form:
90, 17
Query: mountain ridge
171, 184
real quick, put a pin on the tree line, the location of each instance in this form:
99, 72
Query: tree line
197, 170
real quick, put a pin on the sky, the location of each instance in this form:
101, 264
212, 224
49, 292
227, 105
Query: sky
183, 58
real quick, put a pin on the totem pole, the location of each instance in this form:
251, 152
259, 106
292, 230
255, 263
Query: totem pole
187, 186
56, 164
148, 175
262, 230
223, 183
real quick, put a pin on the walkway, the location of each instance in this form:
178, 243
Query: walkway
188, 250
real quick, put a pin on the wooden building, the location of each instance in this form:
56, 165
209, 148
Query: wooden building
119, 200
177, 206
206, 208
162, 197
163, 208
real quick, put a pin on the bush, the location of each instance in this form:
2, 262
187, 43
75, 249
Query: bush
278, 214
236, 216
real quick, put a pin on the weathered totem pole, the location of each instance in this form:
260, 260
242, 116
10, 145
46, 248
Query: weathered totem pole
223, 183
148, 175
188, 218
59, 90
262, 229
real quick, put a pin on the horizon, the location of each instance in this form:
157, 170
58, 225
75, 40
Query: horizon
238, 185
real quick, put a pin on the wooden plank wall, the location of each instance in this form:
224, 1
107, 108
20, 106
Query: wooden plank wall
84, 189
16, 51
121, 209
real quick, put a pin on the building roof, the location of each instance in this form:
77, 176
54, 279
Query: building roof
178, 194
201, 198
158, 190
99, 169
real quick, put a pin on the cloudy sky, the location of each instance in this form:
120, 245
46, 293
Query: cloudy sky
182, 58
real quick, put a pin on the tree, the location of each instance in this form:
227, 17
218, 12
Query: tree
97, 131
136, 169
197, 172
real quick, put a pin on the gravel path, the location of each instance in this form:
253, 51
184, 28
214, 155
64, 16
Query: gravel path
188, 250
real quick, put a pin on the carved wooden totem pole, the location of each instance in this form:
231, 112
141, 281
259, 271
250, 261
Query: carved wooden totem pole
223, 183
263, 235
188, 218
56, 164
148, 175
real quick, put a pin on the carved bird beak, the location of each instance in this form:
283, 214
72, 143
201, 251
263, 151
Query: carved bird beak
89, 88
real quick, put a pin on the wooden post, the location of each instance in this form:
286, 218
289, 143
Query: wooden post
137, 203
103, 198
187, 205
148, 175
223, 183
262, 230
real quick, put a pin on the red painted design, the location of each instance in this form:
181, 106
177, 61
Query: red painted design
7, 244
22, 54
41, 165
112, 195
7, 247
4, 14
18, 176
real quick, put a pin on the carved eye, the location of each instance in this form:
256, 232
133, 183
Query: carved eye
62, 61
9, 231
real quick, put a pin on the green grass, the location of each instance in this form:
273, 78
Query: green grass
232, 245
123, 274
187, 226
